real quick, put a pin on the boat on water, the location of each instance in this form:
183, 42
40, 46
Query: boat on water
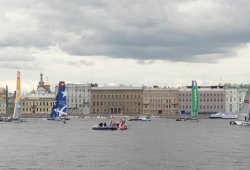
120, 125
17, 108
220, 115
104, 126
59, 108
244, 116
140, 118
183, 118
194, 104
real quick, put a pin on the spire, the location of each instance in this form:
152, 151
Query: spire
41, 79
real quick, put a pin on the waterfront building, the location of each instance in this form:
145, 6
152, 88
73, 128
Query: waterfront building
116, 100
162, 101
38, 101
234, 97
211, 99
6, 107
78, 98
2, 100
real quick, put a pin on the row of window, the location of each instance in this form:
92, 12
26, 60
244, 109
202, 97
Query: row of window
75, 101
233, 99
160, 95
202, 94
108, 110
37, 103
162, 100
79, 96
37, 109
116, 103
80, 105
202, 100
160, 106
203, 107
77, 90
116, 96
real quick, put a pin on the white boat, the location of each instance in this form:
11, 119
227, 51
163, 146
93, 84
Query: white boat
145, 118
220, 115
229, 116
215, 116
140, 118
244, 116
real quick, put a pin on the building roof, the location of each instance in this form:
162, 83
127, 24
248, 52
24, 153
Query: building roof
116, 88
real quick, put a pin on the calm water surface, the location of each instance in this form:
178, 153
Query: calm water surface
156, 145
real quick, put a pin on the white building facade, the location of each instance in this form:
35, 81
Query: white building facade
78, 98
234, 97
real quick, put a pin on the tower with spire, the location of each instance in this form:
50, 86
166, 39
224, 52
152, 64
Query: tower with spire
43, 85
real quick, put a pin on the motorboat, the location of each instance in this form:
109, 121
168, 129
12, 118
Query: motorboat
120, 125
109, 127
141, 118
220, 115
215, 116
183, 118
240, 122
229, 116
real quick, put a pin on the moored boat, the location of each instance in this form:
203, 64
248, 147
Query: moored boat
223, 116
215, 116
141, 118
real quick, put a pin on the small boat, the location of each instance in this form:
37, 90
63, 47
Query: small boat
223, 116
120, 125
142, 118
97, 127
215, 116
184, 118
123, 127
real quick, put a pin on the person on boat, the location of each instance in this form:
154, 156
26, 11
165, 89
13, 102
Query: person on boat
245, 118
105, 124
100, 124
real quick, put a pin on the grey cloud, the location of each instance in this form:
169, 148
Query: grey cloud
18, 66
17, 58
178, 31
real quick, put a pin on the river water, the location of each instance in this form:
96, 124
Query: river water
156, 145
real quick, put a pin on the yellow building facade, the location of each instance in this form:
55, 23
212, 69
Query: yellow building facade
37, 103
116, 100
160, 101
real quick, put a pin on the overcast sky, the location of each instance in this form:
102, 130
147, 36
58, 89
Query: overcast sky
129, 42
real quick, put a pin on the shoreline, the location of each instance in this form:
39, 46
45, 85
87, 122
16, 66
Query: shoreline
107, 116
